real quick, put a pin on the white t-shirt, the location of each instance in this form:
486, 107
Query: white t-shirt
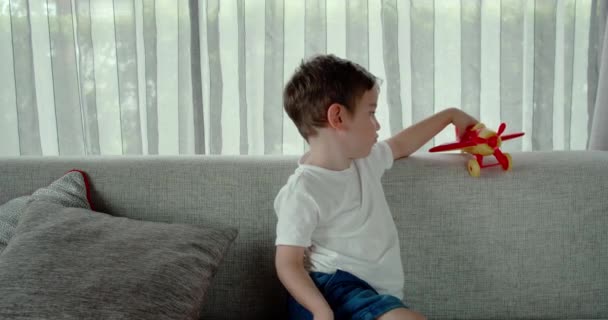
344, 218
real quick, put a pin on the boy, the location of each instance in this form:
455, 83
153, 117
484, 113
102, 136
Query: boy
337, 246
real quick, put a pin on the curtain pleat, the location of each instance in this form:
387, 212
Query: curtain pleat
126, 58
470, 60
490, 63
151, 83
315, 34
215, 77
184, 80
390, 45
596, 36
569, 24
273, 77
423, 60
106, 78
298, 37
511, 68
242, 63
24, 75
447, 68
405, 57
68, 110
544, 73
598, 76
198, 120
85, 77
357, 34
9, 123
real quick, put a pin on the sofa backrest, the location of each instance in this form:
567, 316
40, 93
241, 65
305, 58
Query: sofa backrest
529, 243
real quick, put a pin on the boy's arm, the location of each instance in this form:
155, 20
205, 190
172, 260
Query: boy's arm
412, 138
289, 262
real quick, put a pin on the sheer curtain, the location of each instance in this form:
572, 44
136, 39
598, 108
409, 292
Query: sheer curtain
205, 77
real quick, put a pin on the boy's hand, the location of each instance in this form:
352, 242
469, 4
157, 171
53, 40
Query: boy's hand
289, 262
462, 121
410, 139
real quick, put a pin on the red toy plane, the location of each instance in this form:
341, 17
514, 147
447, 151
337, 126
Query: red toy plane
479, 142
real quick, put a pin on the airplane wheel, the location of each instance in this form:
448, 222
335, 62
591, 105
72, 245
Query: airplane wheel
510, 161
474, 169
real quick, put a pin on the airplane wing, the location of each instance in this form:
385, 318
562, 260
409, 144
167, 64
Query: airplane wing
511, 136
452, 146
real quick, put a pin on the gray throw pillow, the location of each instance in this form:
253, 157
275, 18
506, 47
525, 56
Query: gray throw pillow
73, 263
71, 190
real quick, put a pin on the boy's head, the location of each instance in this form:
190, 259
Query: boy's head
320, 82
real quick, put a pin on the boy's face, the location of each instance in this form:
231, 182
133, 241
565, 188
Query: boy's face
362, 126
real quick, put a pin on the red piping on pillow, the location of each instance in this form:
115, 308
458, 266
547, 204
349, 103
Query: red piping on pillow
87, 185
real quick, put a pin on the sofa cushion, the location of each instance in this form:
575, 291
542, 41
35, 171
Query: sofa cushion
71, 190
76, 263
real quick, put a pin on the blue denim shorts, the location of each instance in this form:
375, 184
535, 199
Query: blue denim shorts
348, 296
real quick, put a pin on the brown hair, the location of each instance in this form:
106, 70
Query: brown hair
320, 82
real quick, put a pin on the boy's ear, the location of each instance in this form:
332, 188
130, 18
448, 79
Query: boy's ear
335, 116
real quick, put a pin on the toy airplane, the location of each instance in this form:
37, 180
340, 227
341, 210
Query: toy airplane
479, 142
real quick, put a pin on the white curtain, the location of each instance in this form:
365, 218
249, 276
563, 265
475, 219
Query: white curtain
89, 77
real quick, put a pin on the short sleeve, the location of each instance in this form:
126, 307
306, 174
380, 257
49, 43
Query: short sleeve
298, 216
380, 158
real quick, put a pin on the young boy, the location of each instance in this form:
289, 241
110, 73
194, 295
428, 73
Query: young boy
337, 246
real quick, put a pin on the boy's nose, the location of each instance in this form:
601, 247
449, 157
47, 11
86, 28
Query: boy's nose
377, 125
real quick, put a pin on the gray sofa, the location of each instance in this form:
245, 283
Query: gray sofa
530, 243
